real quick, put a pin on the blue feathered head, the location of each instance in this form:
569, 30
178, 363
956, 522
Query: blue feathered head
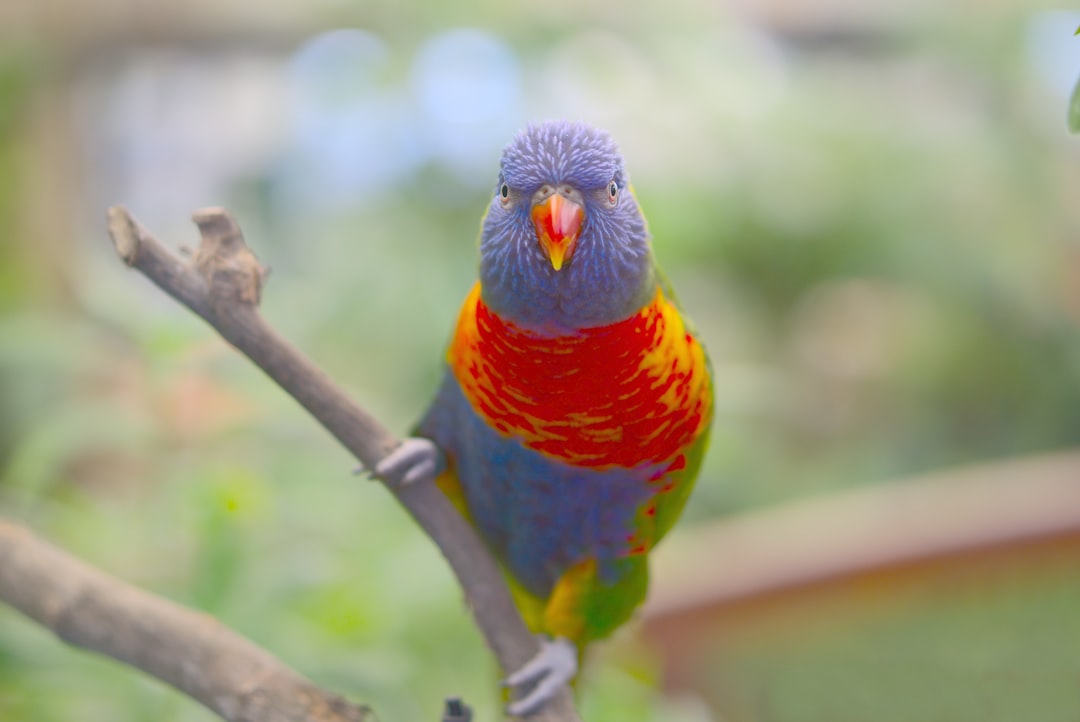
564, 245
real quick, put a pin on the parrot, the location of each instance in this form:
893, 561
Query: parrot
575, 402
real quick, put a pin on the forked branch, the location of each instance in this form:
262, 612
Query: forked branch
223, 283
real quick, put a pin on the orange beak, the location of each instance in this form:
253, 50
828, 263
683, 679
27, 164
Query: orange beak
558, 224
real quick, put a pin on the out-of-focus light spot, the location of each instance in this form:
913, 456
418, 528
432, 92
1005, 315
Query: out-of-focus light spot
337, 66
467, 84
353, 138
167, 131
465, 76
1054, 49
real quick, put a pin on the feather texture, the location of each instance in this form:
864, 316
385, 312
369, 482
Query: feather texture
575, 405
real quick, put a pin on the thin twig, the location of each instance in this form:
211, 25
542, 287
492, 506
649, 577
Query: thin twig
223, 284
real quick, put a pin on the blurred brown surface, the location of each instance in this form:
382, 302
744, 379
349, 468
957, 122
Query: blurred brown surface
773, 583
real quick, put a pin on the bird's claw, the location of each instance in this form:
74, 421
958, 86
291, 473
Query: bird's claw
414, 460
554, 666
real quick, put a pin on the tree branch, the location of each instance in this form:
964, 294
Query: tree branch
222, 283
193, 652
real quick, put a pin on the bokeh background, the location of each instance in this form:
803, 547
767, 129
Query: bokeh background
870, 209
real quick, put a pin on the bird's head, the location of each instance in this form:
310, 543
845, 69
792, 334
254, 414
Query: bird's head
564, 245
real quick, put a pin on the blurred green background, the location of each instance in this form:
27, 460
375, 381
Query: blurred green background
871, 210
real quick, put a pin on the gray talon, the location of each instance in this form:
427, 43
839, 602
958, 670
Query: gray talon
414, 460
554, 666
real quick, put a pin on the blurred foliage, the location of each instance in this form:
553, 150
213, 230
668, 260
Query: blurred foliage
1074, 109
1074, 103
17, 75
875, 233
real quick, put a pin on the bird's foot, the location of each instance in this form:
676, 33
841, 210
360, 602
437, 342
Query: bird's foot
554, 666
414, 460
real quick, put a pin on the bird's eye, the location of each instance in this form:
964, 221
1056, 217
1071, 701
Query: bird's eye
504, 194
613, 193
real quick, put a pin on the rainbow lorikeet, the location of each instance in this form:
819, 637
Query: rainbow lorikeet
576, 402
